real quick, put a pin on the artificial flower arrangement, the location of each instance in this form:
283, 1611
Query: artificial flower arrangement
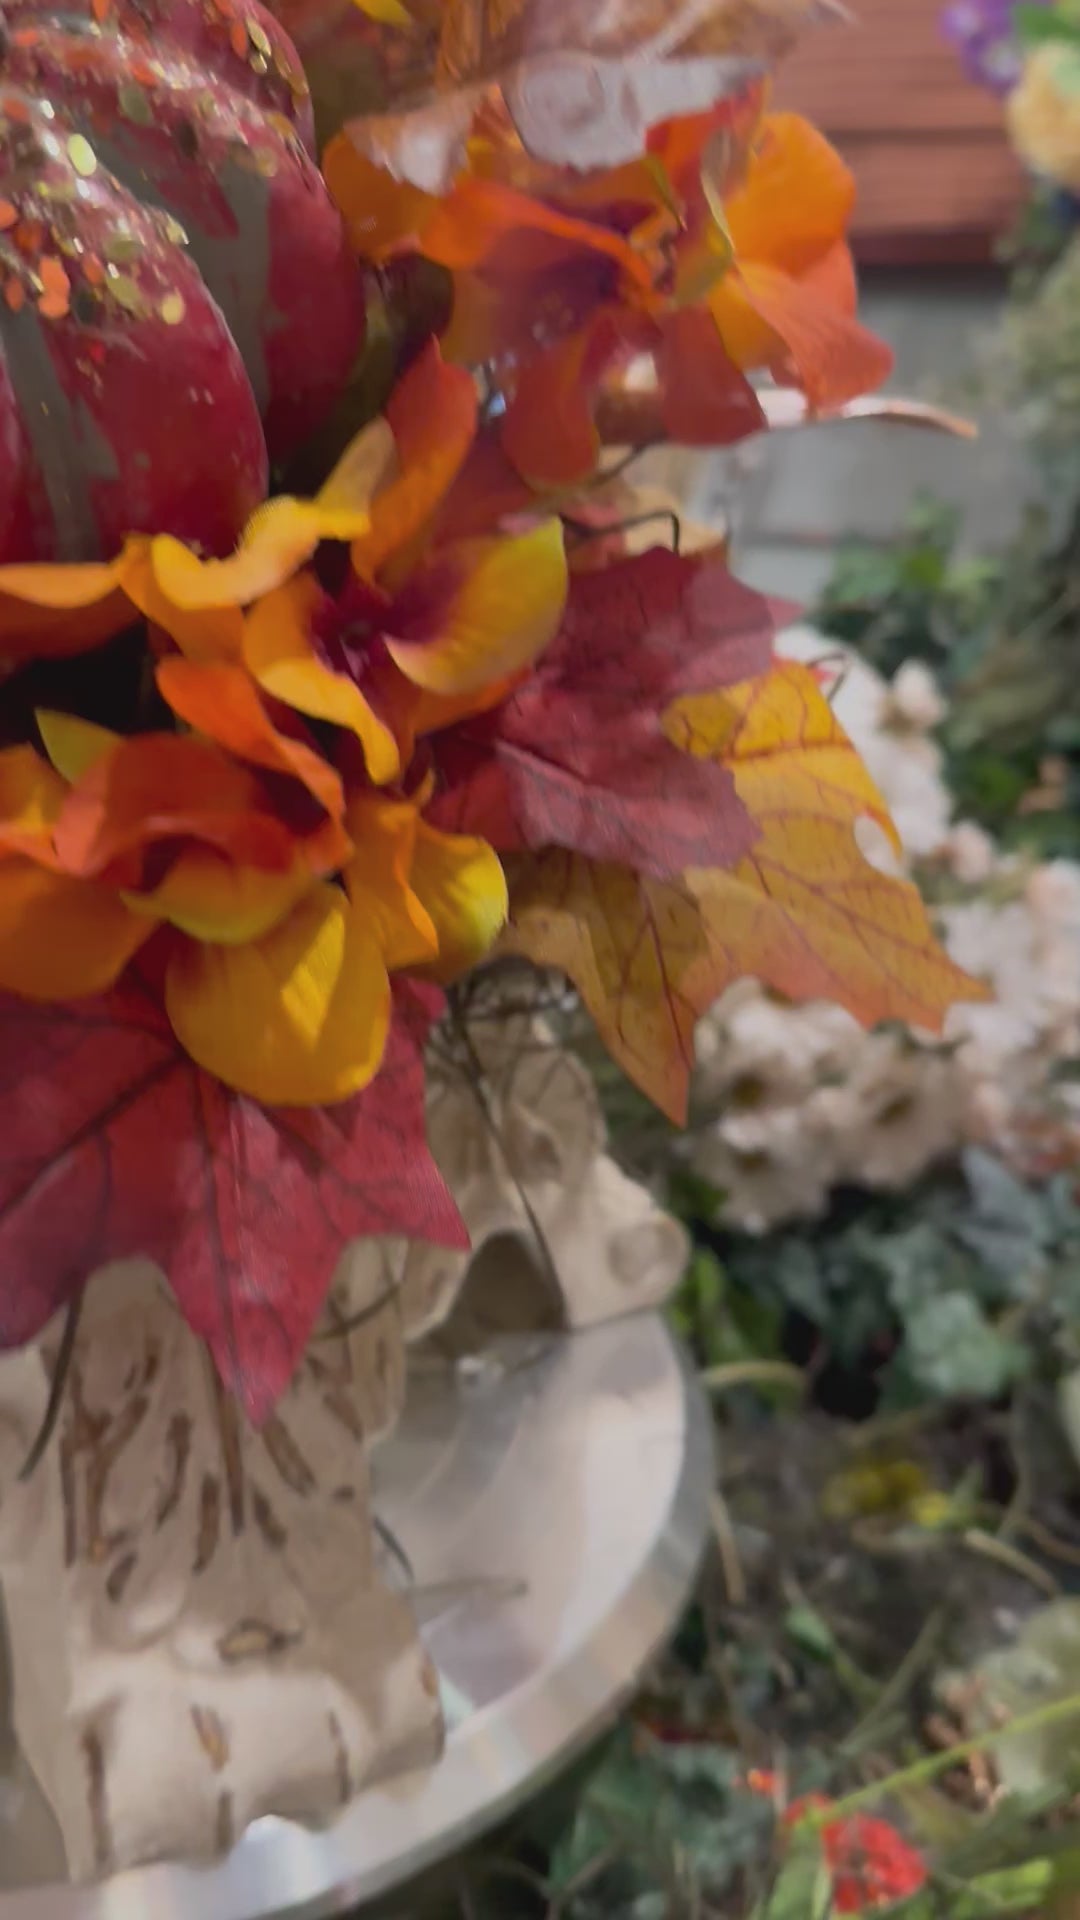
279, 771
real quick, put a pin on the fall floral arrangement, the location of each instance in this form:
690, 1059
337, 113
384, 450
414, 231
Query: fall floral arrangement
277, 770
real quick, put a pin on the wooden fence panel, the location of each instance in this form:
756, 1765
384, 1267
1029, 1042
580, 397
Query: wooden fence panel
937, 179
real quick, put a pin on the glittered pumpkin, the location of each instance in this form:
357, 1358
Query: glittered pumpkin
178, 301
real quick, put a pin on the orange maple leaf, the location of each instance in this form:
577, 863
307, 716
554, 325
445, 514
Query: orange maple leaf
805, 911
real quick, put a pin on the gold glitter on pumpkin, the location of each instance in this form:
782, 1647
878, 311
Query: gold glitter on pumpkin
55, 290
120, 248
134, 105
82, 155
125, 291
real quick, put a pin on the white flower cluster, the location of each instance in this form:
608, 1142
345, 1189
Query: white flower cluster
791, 1102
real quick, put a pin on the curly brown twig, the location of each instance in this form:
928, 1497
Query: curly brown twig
474, 1074
59, 1381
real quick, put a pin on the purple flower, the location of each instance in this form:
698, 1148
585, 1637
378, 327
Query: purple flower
982, 32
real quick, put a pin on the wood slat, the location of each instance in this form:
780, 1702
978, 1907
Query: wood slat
935, 187
929, 150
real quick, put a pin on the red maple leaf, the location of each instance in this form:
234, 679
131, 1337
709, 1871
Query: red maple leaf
547, 772
114, 1144
656, 626
577, 757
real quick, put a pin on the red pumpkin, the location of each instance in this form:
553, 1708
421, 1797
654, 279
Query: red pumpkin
177, 295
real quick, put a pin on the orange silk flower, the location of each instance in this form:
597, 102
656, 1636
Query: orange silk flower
289, 881
720, 253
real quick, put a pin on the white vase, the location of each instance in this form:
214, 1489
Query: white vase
199, 1629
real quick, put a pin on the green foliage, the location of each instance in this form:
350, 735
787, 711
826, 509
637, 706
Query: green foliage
1016, 1890
1034, 23
957, 1289
1000, 631
951, 1349
951, 1293
1000, 634
811, 1633
1039, 238
1032, 369
721, 1323
657, 1828
912, 601
803, 1890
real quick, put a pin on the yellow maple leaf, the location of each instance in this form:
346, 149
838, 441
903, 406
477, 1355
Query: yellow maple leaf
637, 951
389, 13
805, 912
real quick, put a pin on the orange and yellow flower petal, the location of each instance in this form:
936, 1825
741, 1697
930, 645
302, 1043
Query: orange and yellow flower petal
432, 418
49, 611
389, 13
31, 796
483, 218
463, 887
549, 430
276, 541
72, 744
222, 701
747, 337
281, 535
161, 787
832, 278
701, 261
378, 879
681, 147
298, 1018
431, 712
488, 490
481, 611
343, 502
201, 633
325, 848
705, 398
765, 318
382, 214
62, 939
281, 655
208, 897
488, 319
796, 197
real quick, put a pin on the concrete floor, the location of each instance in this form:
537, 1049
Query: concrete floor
790, 499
